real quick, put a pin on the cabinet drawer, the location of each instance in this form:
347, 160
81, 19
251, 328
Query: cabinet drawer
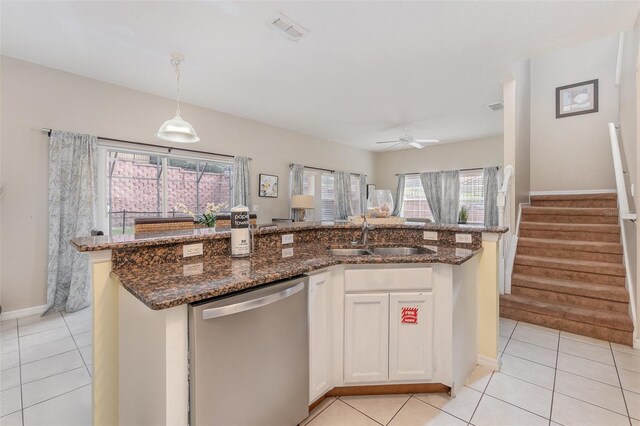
388, 279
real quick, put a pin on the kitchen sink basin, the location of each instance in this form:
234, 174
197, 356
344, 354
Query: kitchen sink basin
395, 251
348, 252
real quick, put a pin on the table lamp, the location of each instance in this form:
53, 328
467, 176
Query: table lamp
302, 202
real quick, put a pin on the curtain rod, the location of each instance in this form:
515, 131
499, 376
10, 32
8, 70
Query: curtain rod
460, 170
168, 148
326, 170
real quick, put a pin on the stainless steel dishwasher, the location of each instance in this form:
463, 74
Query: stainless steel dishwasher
249, 357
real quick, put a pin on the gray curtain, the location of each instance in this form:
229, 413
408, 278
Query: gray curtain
240, 186
450, 196
296, 187
342, 195
491, 180
363, 194
432, 186
72, 208
399, 201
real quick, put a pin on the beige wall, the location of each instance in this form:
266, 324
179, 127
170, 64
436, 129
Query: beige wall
34, 96
573, 153
517, 130
449, 156
629, 94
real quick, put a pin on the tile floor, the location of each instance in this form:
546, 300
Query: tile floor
547, 378
45, 370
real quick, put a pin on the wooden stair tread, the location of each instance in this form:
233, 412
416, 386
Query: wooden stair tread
572, 211
614, 320
575, 197
577, 288
590, 246
590, 266
571, 227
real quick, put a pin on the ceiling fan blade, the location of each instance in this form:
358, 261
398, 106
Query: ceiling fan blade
394, 145
416, 145
389, 141
427, 140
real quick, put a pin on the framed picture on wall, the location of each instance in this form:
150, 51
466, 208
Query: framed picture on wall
268, 186
577, 98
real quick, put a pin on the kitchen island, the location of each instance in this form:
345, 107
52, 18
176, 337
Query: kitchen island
147, 282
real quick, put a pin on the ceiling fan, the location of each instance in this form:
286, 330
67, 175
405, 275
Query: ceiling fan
409, 140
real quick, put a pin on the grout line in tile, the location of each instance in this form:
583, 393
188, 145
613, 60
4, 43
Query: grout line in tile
53, 397
439, 409
53, 375
51, 356
591, 403
624, 398
401, 407
20, 371
364, 414
320, 412
555, 376
488, 381
78, 348
46, 343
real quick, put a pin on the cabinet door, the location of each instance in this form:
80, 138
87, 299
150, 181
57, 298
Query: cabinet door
319, 335
366, 338
410, 336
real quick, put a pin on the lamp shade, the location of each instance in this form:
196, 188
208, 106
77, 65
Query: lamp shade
177, 130
302, 202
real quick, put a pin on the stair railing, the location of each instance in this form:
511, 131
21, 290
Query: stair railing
505, 243
624, 213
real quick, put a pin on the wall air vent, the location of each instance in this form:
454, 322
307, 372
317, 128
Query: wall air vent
289, 28
496, 107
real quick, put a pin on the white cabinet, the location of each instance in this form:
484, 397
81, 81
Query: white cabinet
410, 336
366, 327
319, 335
388, 332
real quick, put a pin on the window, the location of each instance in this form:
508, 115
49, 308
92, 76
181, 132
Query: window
327, 203
472, 194
355, 195
415, 202
146, 184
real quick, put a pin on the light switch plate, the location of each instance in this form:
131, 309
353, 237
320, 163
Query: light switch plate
189, 250
287, 252
430, 235
463, 238
287, 239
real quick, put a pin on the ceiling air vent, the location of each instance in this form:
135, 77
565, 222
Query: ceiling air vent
496, 107
289, 28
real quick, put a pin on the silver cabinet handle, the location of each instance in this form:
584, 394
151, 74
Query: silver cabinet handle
251, 304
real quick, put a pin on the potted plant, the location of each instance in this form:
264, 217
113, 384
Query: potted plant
463, 215
208, 218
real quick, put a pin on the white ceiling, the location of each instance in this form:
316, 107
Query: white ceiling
365, 70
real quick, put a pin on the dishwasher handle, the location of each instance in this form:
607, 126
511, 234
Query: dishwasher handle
251, 304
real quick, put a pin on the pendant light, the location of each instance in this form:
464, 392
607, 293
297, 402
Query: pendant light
177, 129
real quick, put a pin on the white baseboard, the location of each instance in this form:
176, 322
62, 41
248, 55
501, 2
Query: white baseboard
490, 363
19, 313
575, 191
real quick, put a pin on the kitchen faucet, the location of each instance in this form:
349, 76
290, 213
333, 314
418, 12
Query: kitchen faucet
366, 227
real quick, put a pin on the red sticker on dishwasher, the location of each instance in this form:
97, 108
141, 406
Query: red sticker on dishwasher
409, 315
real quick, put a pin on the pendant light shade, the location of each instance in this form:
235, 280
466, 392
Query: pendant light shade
177, 129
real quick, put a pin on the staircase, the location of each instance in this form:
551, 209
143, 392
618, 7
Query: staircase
568, 272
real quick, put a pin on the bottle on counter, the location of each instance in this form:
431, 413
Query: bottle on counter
240, 235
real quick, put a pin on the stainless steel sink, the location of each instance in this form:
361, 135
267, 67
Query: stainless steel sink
348, 252
395, 251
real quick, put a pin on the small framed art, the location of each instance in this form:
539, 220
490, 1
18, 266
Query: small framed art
268, 186
577, 98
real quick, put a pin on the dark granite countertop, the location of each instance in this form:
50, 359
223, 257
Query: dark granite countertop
172, 284
186, 236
